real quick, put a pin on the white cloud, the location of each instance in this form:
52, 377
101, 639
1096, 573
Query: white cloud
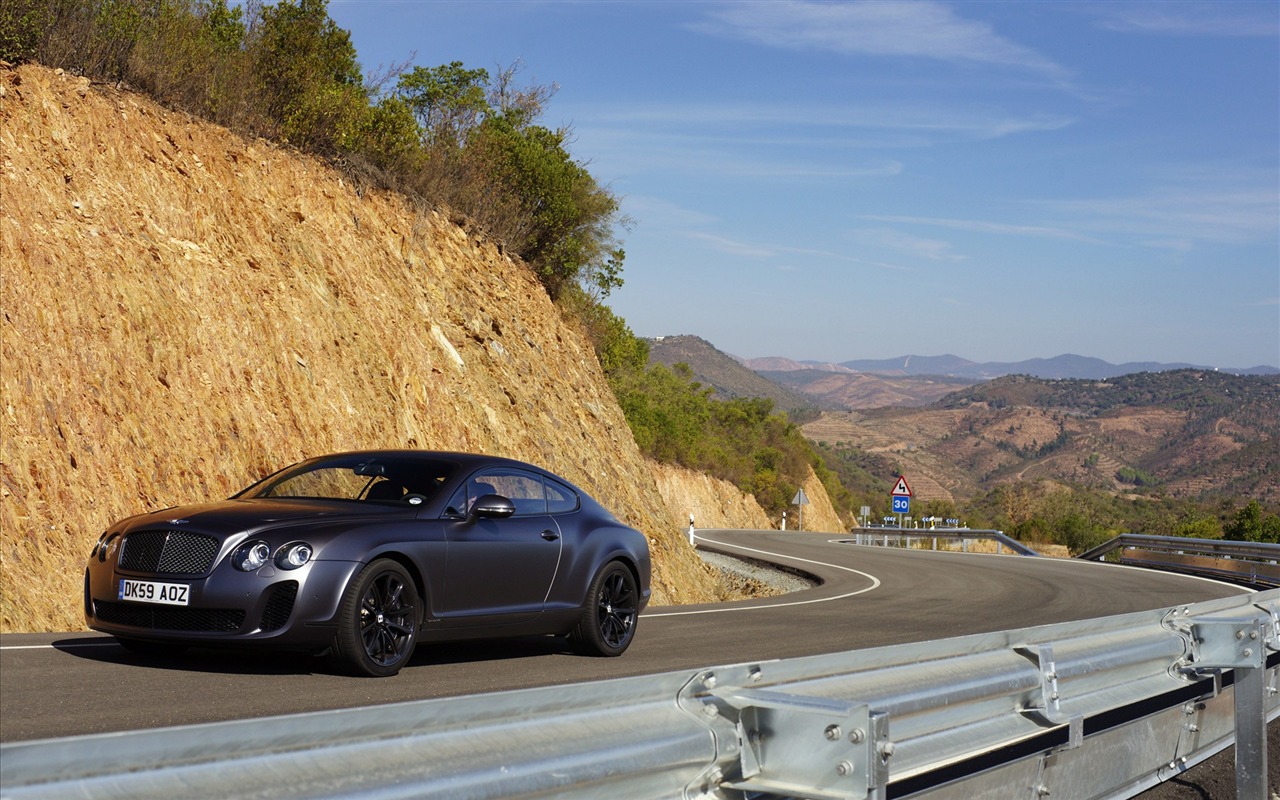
731, 247
742, 124
983, 226
1180, 217
876, 28
918, 246
1175, 218
1251, 19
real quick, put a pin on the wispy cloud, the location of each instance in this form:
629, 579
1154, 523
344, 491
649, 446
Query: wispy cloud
1180, 218
915, 30
984, 226
731, 247
746, 122
772, 141
1176, 219
1249, 19
900, 242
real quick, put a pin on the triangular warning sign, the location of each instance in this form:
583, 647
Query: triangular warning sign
901, 487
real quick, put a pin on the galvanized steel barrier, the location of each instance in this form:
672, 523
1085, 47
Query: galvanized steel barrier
1254, 563
911, 537
1097, 708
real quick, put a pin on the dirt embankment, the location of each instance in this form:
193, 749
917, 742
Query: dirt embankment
185, 310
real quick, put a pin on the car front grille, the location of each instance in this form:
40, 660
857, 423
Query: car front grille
210, 620
168, 552
279, 605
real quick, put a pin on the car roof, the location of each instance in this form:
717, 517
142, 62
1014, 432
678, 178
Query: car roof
463, 460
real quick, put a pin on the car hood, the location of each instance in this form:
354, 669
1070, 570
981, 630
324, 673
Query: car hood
235, 516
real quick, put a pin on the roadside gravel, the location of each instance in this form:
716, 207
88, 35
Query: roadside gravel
775, 581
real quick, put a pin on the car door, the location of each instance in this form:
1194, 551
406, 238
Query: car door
500, 570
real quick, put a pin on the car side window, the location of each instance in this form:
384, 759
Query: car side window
560, 498
524, 489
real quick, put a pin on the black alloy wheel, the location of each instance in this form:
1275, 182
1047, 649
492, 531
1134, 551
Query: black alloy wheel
378, 621
608, 622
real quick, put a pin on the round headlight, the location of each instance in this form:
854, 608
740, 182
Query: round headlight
249, 556
292, 556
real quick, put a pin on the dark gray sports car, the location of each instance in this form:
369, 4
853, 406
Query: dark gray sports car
363, 555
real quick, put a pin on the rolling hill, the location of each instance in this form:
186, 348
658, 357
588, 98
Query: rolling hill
1184, 433
799, 389
726, 375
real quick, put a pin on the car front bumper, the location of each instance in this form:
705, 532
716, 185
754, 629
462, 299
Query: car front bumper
294, 609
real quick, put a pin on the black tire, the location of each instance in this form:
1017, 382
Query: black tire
143, 647
377, 620
608, 622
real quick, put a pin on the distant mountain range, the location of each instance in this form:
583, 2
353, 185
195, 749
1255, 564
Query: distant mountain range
959, 427
805, 387
1063, 366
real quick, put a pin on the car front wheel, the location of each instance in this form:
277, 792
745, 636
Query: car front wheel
378, 620
608, 622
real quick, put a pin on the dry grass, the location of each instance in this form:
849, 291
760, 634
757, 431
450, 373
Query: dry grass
184, 310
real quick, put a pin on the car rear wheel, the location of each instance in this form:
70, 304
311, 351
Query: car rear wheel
378, 620
608, 622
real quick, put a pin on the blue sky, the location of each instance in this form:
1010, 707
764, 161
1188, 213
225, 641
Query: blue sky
831, 181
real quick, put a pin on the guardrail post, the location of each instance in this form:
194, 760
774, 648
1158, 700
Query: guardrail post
780, 743
1240, 645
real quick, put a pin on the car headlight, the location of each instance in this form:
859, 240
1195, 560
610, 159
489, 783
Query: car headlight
108, 549
97, 546
293, 555
250, 556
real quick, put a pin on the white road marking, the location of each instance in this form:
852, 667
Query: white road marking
68, 645
875, 582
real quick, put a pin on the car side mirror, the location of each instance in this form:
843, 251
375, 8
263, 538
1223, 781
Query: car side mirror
492, 506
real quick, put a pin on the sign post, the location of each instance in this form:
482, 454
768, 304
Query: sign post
800, 500
901, 498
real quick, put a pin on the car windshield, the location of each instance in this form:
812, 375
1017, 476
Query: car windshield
357, 477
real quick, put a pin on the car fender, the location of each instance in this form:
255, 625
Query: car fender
592, 553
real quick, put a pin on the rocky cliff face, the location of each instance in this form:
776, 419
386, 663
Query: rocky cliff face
719, 504
712, 502
185, 310
819, 514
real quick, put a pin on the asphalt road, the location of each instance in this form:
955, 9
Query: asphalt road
77, 683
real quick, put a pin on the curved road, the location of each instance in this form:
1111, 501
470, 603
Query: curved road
68, 684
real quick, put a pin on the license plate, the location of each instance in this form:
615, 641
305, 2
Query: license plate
170, 594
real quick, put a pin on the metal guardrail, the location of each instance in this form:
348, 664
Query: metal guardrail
910, 537
1095, 708
1254, 563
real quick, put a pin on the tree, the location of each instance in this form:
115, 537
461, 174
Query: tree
567, 219
448, 101
390, 139
514, 178
1251, 524
1198, 526
307, 73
